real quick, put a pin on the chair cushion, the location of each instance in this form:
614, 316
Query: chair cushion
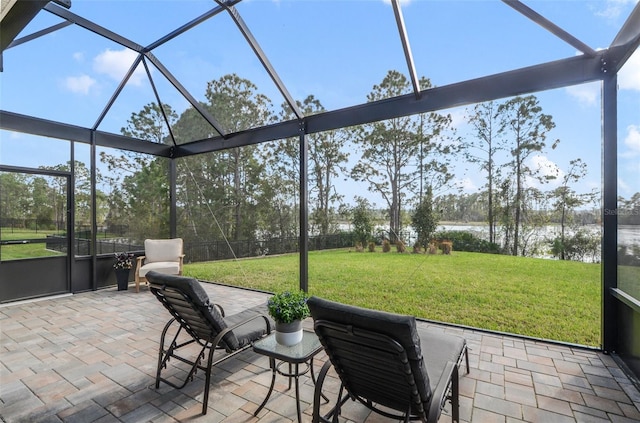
192, 288
196, 293
168, 267
400, 327
253, 330
156, 250
438, 349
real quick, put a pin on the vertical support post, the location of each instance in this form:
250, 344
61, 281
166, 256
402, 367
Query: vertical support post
93, 248
609, 209
173, 212
304, 211
71, 216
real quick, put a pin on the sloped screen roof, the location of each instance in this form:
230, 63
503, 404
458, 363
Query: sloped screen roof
91, 66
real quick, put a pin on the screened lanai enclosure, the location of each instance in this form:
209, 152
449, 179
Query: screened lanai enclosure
263, 128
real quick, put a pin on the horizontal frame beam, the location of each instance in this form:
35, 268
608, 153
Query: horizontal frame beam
566, 72
557, 74
35, 126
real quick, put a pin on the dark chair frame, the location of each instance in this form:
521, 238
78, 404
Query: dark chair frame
375, 369
192, 318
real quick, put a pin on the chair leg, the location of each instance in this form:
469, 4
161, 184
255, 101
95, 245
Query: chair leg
137, 281
317, 394
455, 398
164, 356
466, 352
318, 391
207, 382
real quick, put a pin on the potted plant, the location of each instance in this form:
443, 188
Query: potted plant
122, 266
288, 309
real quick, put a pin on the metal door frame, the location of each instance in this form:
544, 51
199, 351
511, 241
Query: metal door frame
17, 268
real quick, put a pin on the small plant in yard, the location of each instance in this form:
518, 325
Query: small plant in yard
386, 246
400, 247
123, 261
372, 246
287, 306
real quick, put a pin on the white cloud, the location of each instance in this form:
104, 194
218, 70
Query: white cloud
458, 117
629, 75
632, 141
622, 186
116, 63
78, 56
79, 84
467, 185
613, 8
586, 94
546, 168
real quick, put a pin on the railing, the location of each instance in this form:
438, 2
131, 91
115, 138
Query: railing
211, 250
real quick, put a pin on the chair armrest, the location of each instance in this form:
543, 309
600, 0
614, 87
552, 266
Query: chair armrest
438, 397
139, 262
220, 309
228, 329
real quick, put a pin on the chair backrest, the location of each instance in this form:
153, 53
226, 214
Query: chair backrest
157, 250
377, 355
189, 304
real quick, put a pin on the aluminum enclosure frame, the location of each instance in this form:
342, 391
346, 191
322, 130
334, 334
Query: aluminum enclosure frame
602, 65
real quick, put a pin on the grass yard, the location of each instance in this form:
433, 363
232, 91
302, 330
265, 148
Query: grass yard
21, 251
558, 300
9, 234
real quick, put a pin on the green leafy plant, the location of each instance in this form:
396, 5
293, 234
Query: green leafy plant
287, 306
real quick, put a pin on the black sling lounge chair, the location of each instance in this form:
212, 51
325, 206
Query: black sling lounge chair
387, 363
207, 326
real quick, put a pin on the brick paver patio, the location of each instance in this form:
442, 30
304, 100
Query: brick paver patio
91, 357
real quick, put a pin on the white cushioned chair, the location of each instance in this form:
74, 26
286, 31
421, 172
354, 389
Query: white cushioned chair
161, 255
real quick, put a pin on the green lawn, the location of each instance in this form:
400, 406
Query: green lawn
31, 250
21, 251
549, 299
9, 234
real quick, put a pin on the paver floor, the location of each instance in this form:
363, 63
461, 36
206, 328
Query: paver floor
92, 357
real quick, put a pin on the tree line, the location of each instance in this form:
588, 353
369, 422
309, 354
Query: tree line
252, 192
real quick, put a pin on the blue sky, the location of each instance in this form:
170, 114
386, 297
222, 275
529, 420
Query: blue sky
335, 50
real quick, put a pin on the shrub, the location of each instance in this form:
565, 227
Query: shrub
359, 247
400, 247
577, 247
386, 246
417, 248
372, 246
361, 222
467, 241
